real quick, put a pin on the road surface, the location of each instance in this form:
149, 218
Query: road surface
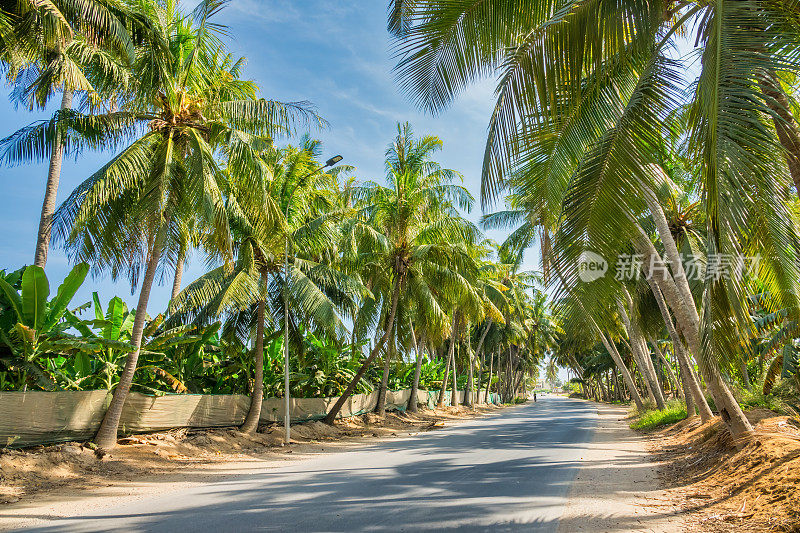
510, 471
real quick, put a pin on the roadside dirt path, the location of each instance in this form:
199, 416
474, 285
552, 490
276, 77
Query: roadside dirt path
617, 488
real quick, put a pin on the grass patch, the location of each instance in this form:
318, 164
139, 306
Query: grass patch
675, 411
756, 399
517, 401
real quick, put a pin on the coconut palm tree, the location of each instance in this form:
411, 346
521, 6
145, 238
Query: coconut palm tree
481, 306
79, 49
251, 292
191, 105
581, 106
407, 237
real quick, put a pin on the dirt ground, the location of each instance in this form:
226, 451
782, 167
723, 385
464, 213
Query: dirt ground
31, 474
617, 488
729, 486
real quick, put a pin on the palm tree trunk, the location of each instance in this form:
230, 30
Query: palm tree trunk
644, 384
670, 372
519, 376
688, 376
331, 416
106, 437
445, 380
612, 349
468, 392
51, 191
642, 356
688, 394
626, 375
649, 371
176, 282
491, 371
454, 395
257, 395
380, 406
686, 316
479, 381
508, 378
479, 354
730, 411
682, 303
412, 401
450, 355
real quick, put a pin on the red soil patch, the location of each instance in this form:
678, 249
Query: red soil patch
751, 485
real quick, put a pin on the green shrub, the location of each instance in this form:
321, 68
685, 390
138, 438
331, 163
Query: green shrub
756, 398
675, 411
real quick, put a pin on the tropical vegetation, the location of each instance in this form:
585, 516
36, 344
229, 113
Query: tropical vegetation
381, 284
664, 204
663, 198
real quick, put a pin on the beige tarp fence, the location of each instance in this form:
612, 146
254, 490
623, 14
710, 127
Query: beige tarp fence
153, 413
32, 417
28, 418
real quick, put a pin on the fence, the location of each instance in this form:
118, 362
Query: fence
38, 417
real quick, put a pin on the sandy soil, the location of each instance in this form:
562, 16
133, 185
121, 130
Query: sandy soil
40, 483
617, 488
730, 486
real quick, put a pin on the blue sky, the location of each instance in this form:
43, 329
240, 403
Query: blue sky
335, 54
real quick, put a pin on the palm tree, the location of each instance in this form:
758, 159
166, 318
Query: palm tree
406, 239
250, 293
481, 304
577, 126
192, 105
80, 49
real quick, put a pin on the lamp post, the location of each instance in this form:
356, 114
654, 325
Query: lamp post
286, 418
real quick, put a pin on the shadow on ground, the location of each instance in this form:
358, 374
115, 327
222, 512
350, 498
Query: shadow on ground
508, 472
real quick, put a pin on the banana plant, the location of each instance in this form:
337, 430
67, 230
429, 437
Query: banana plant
36, 332
186, 366
113, 328
109, 334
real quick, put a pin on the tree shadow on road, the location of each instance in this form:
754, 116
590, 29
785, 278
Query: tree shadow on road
505, 473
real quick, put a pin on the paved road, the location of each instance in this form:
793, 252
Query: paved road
508, 472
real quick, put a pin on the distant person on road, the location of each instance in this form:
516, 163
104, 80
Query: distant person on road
534, 397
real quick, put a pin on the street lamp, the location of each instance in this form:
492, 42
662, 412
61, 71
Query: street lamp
286, 418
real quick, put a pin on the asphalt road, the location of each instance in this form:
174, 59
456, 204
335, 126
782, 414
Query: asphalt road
510, 471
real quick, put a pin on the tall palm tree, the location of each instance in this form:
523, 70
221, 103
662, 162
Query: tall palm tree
583, 96
79, 49
250, 292
191, 105
406, 238
482, 304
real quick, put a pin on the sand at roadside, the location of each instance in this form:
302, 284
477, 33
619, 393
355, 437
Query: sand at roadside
617, 488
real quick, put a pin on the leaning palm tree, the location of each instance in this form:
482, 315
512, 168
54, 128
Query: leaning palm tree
191, 106
584, 94
407, 237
